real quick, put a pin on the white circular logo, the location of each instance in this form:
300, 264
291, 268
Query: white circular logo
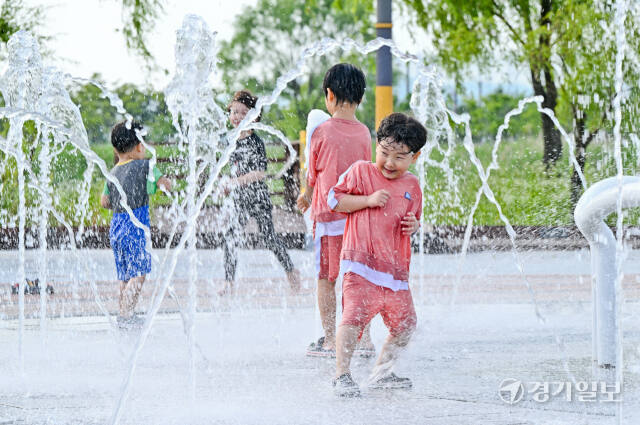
511, 391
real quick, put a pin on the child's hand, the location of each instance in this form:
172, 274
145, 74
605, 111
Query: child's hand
378, 198
164, 184
409, 224
104, 202
225, 185
303, 203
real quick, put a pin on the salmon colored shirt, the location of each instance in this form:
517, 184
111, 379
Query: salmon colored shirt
335, 145
373, 244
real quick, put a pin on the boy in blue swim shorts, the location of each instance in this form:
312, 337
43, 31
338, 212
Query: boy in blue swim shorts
128, 242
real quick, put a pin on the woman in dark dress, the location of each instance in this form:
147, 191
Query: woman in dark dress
250, 195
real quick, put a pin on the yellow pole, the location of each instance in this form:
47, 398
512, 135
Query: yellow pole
384, 103
384, 80
303, 161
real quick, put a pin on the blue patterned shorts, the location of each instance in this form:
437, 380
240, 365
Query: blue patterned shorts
128, 244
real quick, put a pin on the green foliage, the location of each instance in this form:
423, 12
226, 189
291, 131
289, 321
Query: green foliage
527, 193
569, 47
138, 19
587, 52
278, 30
97, 114
68, 166
146, 106
576, 35
487, 114
16, 15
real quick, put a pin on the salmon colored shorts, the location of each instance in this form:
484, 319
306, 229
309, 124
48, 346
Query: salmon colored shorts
362, 300
330, 247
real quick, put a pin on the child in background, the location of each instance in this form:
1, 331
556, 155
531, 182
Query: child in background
128, 242
250, 196
334, 146
383, 202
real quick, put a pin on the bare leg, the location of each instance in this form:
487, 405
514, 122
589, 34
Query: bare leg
122, 303
389, 353
327, 306
365, 340
137, 289
294, 280
129, 294
230, 251
227, 289
345, 345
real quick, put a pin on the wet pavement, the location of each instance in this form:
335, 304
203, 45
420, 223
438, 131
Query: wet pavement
477, 328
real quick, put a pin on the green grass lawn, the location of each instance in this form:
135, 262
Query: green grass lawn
527, 193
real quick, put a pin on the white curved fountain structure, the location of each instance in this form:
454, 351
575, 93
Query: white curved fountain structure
599, 201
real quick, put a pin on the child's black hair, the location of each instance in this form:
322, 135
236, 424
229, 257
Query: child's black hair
401, 128
125, 139
346, 81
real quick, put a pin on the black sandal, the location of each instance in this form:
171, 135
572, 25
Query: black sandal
316, 349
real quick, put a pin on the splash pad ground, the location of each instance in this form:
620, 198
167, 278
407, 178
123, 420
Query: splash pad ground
255, 371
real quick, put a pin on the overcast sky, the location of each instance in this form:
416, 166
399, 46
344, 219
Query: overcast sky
87, 38
87, 41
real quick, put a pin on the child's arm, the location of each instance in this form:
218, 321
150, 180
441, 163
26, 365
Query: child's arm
164, 184
304, 199
353, 203
314, 140
104, 197
159, 181
253, 176
104, 201
243, 180
348, 195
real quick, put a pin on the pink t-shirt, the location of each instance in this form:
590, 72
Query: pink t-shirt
335, 145
373, 244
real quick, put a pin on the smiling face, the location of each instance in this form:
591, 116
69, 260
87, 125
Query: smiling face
393, 159
237, 112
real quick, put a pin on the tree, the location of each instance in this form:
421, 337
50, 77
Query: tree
586, 65
16, 15
277, 31
487, 115
138, 19
470, 32
149, 107
145, 105
567, 45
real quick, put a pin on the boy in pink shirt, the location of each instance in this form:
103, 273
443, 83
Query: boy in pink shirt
335, 144
383, 202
